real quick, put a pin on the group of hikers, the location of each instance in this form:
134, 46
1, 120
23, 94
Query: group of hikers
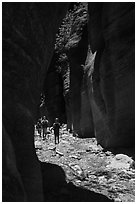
44, 129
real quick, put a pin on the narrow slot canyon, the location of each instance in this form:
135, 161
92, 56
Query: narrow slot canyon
68, 76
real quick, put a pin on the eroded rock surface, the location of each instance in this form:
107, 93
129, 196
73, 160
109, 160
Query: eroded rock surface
111, 36
71, 46
28, 43
88, 166
100, 99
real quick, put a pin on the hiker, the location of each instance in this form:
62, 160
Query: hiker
56, 127
38, 126
45, 124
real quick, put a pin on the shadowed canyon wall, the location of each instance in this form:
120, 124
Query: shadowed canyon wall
53, 89
99, 101
71, 48
80, 106
112, 87
28, 44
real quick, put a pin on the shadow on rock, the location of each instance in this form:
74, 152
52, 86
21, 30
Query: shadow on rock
56, 189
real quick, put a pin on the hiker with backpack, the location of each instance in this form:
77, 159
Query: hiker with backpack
45, 125
56, 127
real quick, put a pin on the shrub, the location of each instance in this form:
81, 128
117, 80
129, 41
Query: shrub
70, 31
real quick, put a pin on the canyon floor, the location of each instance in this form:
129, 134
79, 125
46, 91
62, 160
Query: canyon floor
90, 173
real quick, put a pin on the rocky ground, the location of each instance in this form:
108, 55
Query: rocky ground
88, 166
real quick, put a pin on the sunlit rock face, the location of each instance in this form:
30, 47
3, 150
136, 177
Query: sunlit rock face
111, 35
28, 41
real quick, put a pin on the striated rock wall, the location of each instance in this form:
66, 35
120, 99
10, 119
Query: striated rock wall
111, 35
28, 43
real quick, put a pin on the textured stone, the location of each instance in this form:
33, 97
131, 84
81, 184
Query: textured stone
112, 86
28, 41
13, 189
86, 121
70, 61
80, 106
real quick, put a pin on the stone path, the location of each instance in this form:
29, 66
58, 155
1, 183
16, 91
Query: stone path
87, 165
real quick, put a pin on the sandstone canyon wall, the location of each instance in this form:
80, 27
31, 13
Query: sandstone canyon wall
71, 46
99, 101
28, 44
112, 86
80, 107
53, 89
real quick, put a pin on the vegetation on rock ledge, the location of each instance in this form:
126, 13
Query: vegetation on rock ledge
71, 29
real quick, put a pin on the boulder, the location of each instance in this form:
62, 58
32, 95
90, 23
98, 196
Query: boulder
120, 161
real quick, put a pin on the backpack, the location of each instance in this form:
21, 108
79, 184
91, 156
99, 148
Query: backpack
45, 123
